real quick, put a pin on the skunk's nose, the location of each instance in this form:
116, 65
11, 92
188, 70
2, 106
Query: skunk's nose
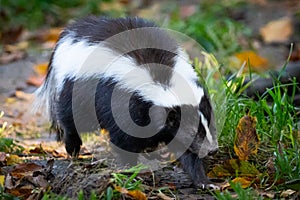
213, 152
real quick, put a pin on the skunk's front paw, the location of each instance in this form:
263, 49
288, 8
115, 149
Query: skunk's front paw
209, 186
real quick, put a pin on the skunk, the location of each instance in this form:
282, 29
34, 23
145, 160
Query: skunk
131, 78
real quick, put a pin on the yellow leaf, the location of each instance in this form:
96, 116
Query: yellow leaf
257, 63
13, 159
10, 100
243, 181
136, 194
41, 69
53, 34
246, 139
17, 47
121, 189
277, 31
2, 178
104, 131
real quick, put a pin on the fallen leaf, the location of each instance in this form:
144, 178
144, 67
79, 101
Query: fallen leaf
52, 35
9, 57
104, 131
135, 194
26, 177
277, 31
7, 159
13, 159
24, 169
245, 183
35, 80
256, 62
23, 191
21, 46
246, 139
10, 100
234, 167
163, 196
23, 96
41, 69
287, 193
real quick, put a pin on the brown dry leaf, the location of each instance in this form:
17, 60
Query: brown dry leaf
278, 30
246, 139
26, 177
25, 169
23, 96
23, 191
257, 63
135, 194
39, 150
9, 57
35, 80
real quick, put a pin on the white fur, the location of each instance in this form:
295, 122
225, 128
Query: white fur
81, 60
205, 124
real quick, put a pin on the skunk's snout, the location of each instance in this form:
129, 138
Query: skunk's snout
213, 152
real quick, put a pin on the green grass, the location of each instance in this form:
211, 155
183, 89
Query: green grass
127, 179
239, 193
276, 125
8, 145
212, 27
37, 13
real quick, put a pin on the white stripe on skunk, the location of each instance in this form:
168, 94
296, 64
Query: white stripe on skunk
100, 61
